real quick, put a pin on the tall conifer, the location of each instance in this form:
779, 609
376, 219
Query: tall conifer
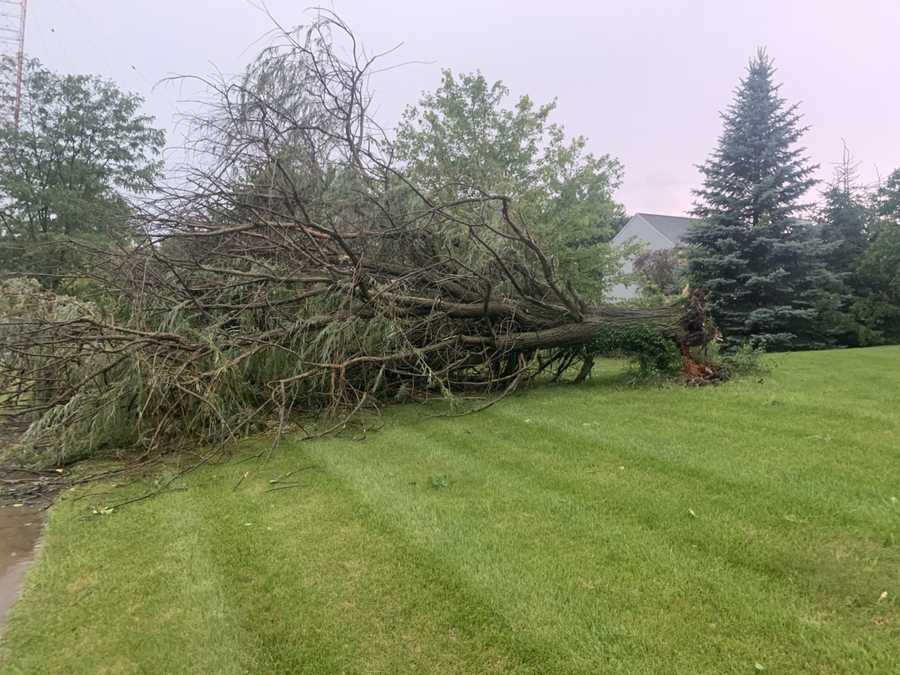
763, 266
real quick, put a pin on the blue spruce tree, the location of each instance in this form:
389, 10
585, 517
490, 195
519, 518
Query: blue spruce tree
763, 267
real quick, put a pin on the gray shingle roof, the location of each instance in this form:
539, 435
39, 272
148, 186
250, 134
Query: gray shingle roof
672, 227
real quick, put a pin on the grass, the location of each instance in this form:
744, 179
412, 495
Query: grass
595, 528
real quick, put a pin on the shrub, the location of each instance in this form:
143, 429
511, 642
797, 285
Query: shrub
746, 360
654, 353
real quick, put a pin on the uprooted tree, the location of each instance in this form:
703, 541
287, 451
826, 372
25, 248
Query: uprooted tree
297, 266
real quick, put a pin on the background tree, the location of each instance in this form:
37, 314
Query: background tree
660, 273
878, 308
887, 200
81, 149
844, 217
463, 141
762, 265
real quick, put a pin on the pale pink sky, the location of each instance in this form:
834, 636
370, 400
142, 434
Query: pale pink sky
643, 80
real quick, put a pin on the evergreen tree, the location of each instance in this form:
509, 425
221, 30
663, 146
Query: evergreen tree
878, 308
761, 264
887, 199
844, 217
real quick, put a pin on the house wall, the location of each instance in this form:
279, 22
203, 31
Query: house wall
641, 231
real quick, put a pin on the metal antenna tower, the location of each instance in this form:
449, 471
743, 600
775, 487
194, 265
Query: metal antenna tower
12, 58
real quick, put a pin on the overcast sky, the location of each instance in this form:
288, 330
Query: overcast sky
644, 80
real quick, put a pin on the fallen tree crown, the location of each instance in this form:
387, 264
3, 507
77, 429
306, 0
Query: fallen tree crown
297, 267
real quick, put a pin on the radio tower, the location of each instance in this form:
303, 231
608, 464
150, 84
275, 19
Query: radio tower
12, 59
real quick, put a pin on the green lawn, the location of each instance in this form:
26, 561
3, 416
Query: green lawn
595, 529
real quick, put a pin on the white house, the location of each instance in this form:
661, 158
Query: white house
657, 233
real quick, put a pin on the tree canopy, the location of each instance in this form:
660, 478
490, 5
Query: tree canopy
463, 140
81, 149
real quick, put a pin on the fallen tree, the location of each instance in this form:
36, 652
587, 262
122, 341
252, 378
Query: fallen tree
297, 267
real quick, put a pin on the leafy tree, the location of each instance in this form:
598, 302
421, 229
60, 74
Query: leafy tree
81, 148
760, 262
660, 273
462, 140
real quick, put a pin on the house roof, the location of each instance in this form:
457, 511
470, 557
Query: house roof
674, 228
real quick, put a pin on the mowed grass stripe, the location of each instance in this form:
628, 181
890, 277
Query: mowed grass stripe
751, 523
716, 491
685, 433
460, 444
552, 517
263, 582
353, 585
661, 492
122, 595
849, 494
